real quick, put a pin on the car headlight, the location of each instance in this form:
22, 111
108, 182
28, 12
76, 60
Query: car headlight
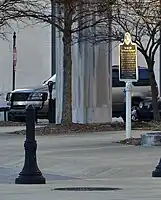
147, 104
36, 96
141, 105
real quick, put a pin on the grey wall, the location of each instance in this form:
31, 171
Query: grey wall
33, 58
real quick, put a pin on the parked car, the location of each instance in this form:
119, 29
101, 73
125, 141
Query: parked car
145, 112
19, 99
140, 90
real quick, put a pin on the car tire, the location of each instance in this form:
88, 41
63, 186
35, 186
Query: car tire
16, 119
22, 119
9, 117
134, 112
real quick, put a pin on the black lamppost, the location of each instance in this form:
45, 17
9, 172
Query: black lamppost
157, 171
14, 61
30, 173
53, 38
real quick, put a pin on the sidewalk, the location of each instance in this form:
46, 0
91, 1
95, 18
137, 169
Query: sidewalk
8, 129
77, 160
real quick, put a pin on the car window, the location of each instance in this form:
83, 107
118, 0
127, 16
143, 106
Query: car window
115, 79
143, 78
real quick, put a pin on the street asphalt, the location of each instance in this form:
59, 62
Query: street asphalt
81, 160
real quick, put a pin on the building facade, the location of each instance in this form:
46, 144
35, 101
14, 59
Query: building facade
33, 58
91, 84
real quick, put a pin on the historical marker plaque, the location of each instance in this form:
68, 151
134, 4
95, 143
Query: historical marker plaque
128, 70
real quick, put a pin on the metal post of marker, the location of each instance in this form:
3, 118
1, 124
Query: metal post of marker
128, 72
128, 109
14, 61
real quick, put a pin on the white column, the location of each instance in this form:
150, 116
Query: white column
92, 96
77, 83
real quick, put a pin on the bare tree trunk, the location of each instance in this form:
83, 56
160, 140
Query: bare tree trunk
67, 73
154, 90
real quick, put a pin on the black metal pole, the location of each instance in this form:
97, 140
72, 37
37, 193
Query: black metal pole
53, 38
160, 51
51, 113
157, 171
30, 173
14, 62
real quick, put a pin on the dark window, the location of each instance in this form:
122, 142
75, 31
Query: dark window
143, 78
115, 79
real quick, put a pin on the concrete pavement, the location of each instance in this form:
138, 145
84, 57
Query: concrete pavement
8, 129
90, 159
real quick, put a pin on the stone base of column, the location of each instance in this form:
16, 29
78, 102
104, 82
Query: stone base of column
92, 115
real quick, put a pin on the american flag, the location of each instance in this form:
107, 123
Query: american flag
14, 57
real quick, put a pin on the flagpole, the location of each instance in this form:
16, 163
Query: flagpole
14, 61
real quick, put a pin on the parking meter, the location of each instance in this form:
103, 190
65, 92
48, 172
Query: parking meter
51, 113
50, 87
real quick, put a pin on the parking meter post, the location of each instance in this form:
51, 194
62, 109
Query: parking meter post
30, 173
36, 118
51, 103
128, 109
51, 111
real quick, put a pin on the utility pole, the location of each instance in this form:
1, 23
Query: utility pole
14, 62
53, 38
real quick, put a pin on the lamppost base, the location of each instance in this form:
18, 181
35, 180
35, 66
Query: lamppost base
30, 179
156, 173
